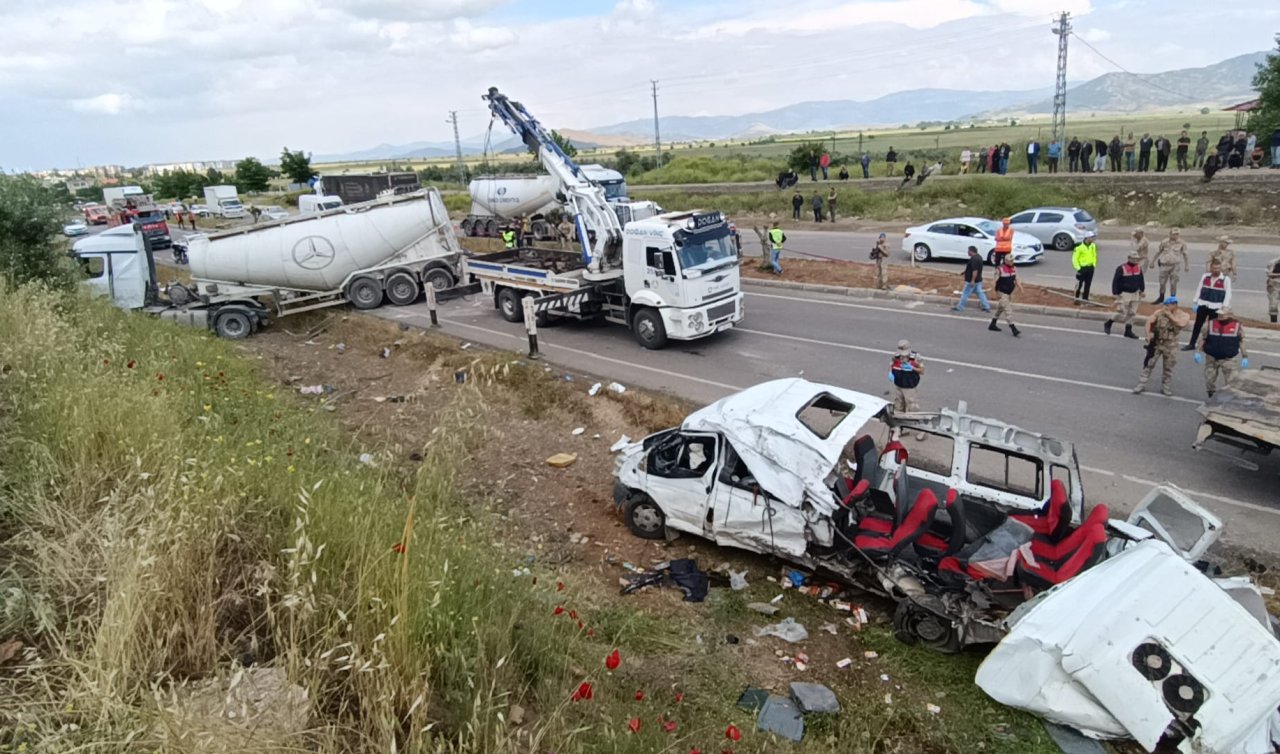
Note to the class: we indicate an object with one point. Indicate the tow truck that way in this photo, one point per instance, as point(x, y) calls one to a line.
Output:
point(667, 276)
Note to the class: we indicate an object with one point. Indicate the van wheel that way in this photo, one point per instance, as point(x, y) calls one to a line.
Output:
point(439, 278)
point(365, 293)
point(922, 253)
point(510, 305)
point(644, 518)
point(1063, 242)
point(912, 624)
point(647, 326)
point(402, 289)
point(233, 324)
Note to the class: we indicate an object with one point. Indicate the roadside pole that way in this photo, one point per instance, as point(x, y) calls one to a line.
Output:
point(531, 327)
point(431, 304)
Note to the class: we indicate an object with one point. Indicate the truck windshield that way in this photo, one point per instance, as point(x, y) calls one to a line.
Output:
point(705, 251)
point(614, 190)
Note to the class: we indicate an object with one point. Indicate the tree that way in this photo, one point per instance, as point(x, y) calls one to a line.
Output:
point(178, 184)
point(30, 219)
point(214, 177)
point(296, 165)
point(625, 161)
point(251, 176)
point(807, 155)
point(1266, 118)
point(565, 145)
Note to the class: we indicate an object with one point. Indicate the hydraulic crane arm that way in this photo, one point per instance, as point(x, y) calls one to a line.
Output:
point(599, 232)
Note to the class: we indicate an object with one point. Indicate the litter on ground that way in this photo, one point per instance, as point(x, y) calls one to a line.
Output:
point(788, 630)
point(780, 716)
point(814, 697)
point(562, 460)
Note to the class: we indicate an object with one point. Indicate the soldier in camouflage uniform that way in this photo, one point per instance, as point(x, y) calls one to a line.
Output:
point(1142, 247)
point(1162, 343)
point(1273, 288)
point(1224, 256)
point(1172, 252)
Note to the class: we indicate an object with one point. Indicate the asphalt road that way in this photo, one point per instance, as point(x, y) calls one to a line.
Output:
point(1062, 377)
point(1249, 297)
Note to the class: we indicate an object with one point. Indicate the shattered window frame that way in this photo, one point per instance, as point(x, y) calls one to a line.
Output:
point(1038, 464)
point(824, 402)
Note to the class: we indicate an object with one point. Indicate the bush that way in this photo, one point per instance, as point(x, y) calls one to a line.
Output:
point(685, 170)
point(31, 219)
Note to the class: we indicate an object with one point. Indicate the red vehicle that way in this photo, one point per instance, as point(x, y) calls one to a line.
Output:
point(96, 214)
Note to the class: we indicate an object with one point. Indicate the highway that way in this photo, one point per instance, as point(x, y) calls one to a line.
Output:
point(1062, 377)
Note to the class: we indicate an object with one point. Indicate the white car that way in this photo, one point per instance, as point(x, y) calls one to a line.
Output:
point(201, 210)
point(1059, 227)
point(273, 213)
point(951, 239)
point(75, 228)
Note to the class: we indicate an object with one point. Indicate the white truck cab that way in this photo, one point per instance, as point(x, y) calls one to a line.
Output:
point(115, 265)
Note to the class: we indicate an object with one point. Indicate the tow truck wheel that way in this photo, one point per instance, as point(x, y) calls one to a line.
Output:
point(402, 289)
point(232, 324)
point(365, 293)
point(648, 329)
point(510, 305)
point(644, 518)
point(912, 624)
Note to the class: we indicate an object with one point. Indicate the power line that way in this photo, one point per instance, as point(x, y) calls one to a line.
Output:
point(1131, 73)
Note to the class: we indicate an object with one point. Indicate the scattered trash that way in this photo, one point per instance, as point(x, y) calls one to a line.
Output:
point(814, 697)
point(763, 608)
point(802, 661)
point(884, 677)
point(577, 431)
point(842, 664)
point(391, 399)
point(683, 573)
point(568, 378)
point(796, 578)
point(366, 459)
point(316, 389)
point(780, 716)
point(933, 709)
point(460, 376)
point(311, 343)
point(595, 390)
point(831, 628)
point(752, 699)
point(788, 630)
point(562, 460)
point(776, 600)
point(578, 539)
point(622, 442)
point(596, 436)
point(516, 714)
point(465, 346)
point(386, 353)
point(737, 580)
point(616, 388)
point(888, 698)
point(870, 655)
point(731, 639)
point(341, 348)
point(518, 572)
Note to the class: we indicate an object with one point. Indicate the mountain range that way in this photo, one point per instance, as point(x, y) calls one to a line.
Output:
point(1225, 82)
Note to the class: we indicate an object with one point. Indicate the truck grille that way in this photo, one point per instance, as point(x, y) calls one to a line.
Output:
point(723, 310)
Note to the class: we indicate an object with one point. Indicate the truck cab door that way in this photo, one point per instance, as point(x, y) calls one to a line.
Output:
point(661, 274)
point(96, 271)
point(745, 516)
point(681, 472)
point(1176, 520)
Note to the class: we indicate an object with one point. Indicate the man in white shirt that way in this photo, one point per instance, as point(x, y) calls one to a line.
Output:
point(966, 157)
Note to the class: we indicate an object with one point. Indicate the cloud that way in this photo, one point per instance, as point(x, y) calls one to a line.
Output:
point(413, 10)
point(470, 38)
point(104, 104)
point(1095, 35)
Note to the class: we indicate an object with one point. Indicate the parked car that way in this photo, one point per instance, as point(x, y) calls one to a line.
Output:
point(951, 239)
point(272, 212)
point(1059, 227)
point(75, 228)
point(201, 210)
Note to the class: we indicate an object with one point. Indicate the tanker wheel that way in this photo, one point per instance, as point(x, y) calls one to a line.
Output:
point(365, 293)
point(232, 323)
point(439, 278)
point(402, 289)
point(491, 228)
point(511, 305)
point(466, 228)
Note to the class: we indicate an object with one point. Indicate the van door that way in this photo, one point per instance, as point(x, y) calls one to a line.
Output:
point(745, 516)
point(681, 470)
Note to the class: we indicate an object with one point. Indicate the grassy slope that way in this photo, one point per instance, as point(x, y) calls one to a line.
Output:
point(164, 510)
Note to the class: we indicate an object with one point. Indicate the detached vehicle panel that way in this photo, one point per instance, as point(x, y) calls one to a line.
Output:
point(1243, 417)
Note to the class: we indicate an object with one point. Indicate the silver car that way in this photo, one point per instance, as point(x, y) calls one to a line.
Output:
point(1060, 228)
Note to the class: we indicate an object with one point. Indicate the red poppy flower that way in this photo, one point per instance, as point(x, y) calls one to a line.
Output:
point(613, 660)
point(732, 733)
point(106, 362)
point(573, 614)
point(584, 691)
point(634, 724)
point(581, 625)
point(398, 547)
point(159, 376)
point(559, 586)
point(559, 610)
point(679, 697)
point(669, 726)
point(695, 751)
point(591, 633)
point(639, 695)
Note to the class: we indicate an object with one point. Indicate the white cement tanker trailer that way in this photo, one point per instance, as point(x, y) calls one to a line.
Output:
point(500, 201)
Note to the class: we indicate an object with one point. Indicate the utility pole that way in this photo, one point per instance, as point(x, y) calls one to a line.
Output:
point(1062, 28)
point(657, 138)
point(457, 146)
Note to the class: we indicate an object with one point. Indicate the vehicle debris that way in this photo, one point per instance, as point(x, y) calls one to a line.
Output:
point(814, 697)
point(578, 431)
point(763, 608)
point(737, 580)
point(780, 716)
point(617, 388)
point(682, 573)
point(316, 389)
point(788, 630)
point(562, 460)
point(594, 390)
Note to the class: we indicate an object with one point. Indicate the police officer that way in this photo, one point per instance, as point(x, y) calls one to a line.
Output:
point(1214, 295)
point(1273, 288)
point(1085, 260)
point(776, 239)
point(1224, 256)
point(1006, 283)
point(1142, 247)
point(1162, 344)
point(1222, 350)
point(1128, 285)
point(1172, 252)
point(1004, 240)
point(905, 372)
point(508, 238)
point(880, 255)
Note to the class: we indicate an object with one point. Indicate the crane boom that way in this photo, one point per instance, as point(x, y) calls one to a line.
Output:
point(598, 229)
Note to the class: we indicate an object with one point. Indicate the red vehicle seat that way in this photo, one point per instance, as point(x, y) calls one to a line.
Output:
point(1089, 550)
point(1055, 519)
point(1055, 552)
point(913, 526)
point(932, 545)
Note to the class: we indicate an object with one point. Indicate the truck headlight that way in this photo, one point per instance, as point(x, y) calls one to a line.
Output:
point(696, 321)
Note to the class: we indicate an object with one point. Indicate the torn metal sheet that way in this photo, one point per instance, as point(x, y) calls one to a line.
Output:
point(1137, 644)
point(776, 428)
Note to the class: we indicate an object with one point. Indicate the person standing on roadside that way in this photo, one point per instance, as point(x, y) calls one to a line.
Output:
point(1129, 145)
point(1224, 149)
point(776, 239)
point(1225, 257)
point(1144, 153)
point(1162, 344)
point(1100, 156)
point(973, 282)
point(1073, 155)
point(1033, 157)
point(1172, 253)
point(1006, 284)
point(1273, 288)
point(1085, 260)
point(1202, 148)
point(1184, 145)
point(1128, 286)
point(905, 372)
point(880, 255)
point(966, 156)
point(1005, 151)
point(1004, 241)
point(831, 203)
point(1141, 247)
point(866, 166)
point(1114, 151)
point(1214, 295)
point(816, 203)
point(1275, 148)
point(1162, 154)
point(891, 161)
point(797, 201)
point(1086, 156)
point(1054, 154)
point(1222, 351)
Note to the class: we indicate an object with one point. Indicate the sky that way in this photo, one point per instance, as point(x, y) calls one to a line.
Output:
point(131, 82)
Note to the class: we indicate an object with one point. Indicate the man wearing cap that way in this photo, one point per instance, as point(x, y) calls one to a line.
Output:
point(1006, 284)
point(1128, 286)
point(1214, 295)
point(1085, 260)
point(905, 372)
point(1162, 344)
point(1222, 350)
point(1004, 240)
point(1172, 253)
point(880, 255)
point(1224, 256)
point(1142, 247)
point(1273, 287)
